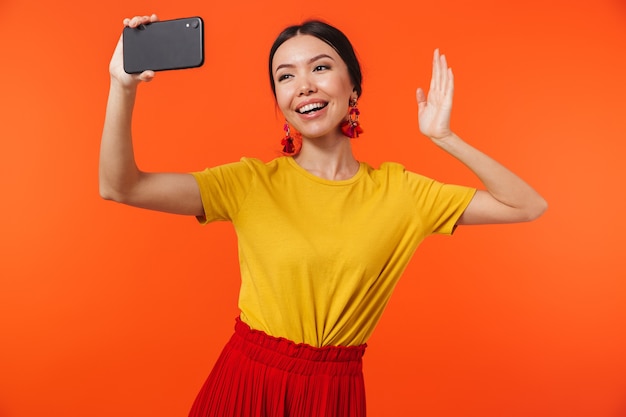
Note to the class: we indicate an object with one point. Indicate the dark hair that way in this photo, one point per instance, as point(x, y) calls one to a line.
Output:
point(329, 34)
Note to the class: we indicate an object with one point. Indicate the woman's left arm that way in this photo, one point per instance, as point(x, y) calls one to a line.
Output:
point(507, 198)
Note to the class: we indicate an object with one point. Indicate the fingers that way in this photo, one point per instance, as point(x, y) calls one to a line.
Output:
point(434, 78)
point(442, 79)
point(420, 95)
point(440, 70)
point(421, 99)
point(140, 20)
point(441, 83)
point(146, 76)
point(135, 22)
point(450, 84)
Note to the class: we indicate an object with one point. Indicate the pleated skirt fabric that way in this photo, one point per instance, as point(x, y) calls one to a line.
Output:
point(258, 375)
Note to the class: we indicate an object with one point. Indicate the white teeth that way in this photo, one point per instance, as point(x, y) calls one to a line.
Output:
point(309, 107)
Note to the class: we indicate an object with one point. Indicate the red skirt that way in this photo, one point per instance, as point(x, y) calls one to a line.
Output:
point(263, 376)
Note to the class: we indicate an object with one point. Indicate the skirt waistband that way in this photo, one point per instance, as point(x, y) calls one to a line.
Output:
point(300, 358)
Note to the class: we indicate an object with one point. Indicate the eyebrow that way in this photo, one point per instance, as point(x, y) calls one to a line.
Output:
point(310, 61)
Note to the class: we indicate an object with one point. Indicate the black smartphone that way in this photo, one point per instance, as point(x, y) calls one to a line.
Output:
point(164, 45)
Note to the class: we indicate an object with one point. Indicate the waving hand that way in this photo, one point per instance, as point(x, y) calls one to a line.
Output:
point(434, 110)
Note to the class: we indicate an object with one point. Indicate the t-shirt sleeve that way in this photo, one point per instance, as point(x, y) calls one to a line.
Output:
point(440, 205)
point(223, 189)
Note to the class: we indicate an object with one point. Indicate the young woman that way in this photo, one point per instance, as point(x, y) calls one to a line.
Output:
point(323, 238)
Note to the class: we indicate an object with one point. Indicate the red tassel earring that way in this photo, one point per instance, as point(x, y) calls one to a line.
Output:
point(287, 142)
point(351, 127)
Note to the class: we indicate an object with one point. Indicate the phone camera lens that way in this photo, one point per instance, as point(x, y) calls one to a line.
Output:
point(195, 24)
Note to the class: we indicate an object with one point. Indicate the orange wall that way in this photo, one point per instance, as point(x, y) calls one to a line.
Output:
point(107, 310)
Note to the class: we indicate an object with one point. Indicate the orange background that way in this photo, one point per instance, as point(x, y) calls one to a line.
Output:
point(107, 310)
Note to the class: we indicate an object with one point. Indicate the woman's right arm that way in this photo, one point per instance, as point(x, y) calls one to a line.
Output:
point(120, 178)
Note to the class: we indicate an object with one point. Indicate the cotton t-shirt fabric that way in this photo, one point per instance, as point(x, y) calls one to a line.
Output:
point(319, 259)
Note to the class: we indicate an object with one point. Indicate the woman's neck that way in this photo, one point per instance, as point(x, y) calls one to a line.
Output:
point(333, 161)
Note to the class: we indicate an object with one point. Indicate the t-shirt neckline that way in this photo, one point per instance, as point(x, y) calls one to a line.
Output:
point(325, 181)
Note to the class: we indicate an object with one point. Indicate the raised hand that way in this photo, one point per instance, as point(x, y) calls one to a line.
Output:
point(434, 110)
point(116, 66)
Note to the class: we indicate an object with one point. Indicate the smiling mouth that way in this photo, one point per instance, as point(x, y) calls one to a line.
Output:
point(311, 108)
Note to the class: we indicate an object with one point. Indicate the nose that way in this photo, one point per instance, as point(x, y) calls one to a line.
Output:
point(307, 87)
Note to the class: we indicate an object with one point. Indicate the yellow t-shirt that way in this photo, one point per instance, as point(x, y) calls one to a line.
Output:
point(319, 259)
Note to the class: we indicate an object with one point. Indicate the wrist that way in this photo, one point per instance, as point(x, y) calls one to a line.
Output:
point(123, 86)
point(446, 139)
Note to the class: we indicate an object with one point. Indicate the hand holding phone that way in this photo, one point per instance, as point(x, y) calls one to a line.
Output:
point(164, 45)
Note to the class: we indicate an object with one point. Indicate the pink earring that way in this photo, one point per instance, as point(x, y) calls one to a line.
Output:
point(287, 142)
point(351, 127)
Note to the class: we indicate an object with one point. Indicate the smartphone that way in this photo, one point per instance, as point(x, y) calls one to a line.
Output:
point(164, 45)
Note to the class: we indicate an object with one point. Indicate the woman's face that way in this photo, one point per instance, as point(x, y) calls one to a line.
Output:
point(313, 87)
